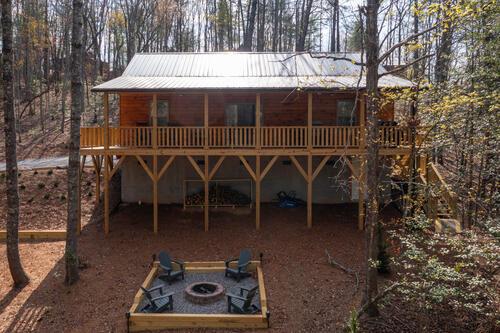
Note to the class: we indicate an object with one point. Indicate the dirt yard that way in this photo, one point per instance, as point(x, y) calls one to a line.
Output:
point(305, 294)
point(43, 195)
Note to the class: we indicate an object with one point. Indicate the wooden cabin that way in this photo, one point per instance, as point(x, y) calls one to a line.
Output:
point(253, 124)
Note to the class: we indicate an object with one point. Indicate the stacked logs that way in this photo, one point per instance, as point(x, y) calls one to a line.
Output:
point(218, 196)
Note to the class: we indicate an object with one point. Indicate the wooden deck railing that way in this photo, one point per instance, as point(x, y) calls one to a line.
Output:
point(336, 137)
point(283, 137)
point(231, 137)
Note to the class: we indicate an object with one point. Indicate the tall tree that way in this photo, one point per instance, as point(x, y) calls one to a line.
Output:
point(371, 42)
point(16, 269)
point(249, 27)
point(303, 22)
point(77, 108)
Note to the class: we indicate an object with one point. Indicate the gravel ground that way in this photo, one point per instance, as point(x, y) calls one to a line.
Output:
point(305, 294)
point(182, 305)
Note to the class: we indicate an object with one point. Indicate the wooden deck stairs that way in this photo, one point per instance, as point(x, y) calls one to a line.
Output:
point(441, 205)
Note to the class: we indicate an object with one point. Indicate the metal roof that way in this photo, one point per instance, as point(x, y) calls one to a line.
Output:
point(239, 70)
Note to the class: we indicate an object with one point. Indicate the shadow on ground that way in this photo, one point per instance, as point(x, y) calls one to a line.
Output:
point(305, 294)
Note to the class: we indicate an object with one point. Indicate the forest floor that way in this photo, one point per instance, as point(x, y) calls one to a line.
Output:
point(43, 195)
point(35, 143)
point(305, 293)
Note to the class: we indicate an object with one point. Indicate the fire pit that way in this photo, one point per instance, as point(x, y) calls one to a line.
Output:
point(204, 292)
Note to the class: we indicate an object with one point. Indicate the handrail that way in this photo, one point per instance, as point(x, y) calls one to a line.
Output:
point(450, 197)
point(335, 137)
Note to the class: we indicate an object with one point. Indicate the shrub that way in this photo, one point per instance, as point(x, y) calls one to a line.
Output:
point(41, 185)
point(46, 196)
point(449, 276)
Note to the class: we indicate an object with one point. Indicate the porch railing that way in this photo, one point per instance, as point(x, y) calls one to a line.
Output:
point(336, 137)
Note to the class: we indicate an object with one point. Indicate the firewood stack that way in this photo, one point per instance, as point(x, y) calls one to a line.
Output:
point(219, 196)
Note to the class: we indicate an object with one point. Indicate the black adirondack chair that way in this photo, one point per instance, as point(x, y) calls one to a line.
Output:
point(168, 272)
point(241, 270)
point(242, 303)
point(159, 303)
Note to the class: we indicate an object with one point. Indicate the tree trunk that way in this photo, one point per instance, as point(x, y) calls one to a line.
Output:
point(77, 107)
point(16, 269)
point(303, 26)
point(250, 27)
point(371, 222)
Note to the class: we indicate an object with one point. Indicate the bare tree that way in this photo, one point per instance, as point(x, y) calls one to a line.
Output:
point(77, 108)
point(16, 269)
point(371, 42)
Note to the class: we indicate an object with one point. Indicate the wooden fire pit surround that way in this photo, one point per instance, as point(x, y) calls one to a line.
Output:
point(139, 321)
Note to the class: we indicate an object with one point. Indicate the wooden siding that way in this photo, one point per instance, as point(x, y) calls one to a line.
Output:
point(279, 109)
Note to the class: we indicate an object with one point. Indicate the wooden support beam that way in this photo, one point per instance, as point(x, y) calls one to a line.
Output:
point(106, 163)
point(105, 99)
point(106, 196)
point(248, 167)
point(309, 190)
point(165, 167)
point(257, 191)
point(355, 174)
point(320, 167)
point(117, 166)
point(110, 160)
point(154, 116)
point(145, 167)
point(257, 121)
point(196, 167)
point(216, 167)
point(205, 120)
point(97, 162)
point(155, 193)
point(268, 167)
point(309, 120)
point(207, 189)
point(299, 167)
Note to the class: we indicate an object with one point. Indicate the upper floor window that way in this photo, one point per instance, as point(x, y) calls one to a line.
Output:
point(162, 112)
point(240, 114)
point(346, 112)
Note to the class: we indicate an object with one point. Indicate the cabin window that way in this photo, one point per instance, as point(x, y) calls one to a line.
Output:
point(240, 114)
point(162, 111)
point(346, 114)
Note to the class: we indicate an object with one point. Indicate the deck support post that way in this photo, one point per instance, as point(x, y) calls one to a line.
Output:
point(207, 189)
point(205, 120)
point(206, 173)
point(97, 162)
point(155, 194)
point(154, 141)
point(257, 191)
point(106, 163)
point(309, 190)
point(257, 121)
point(309, 158)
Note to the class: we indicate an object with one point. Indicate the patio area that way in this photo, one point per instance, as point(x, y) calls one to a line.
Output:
point(304, 293)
